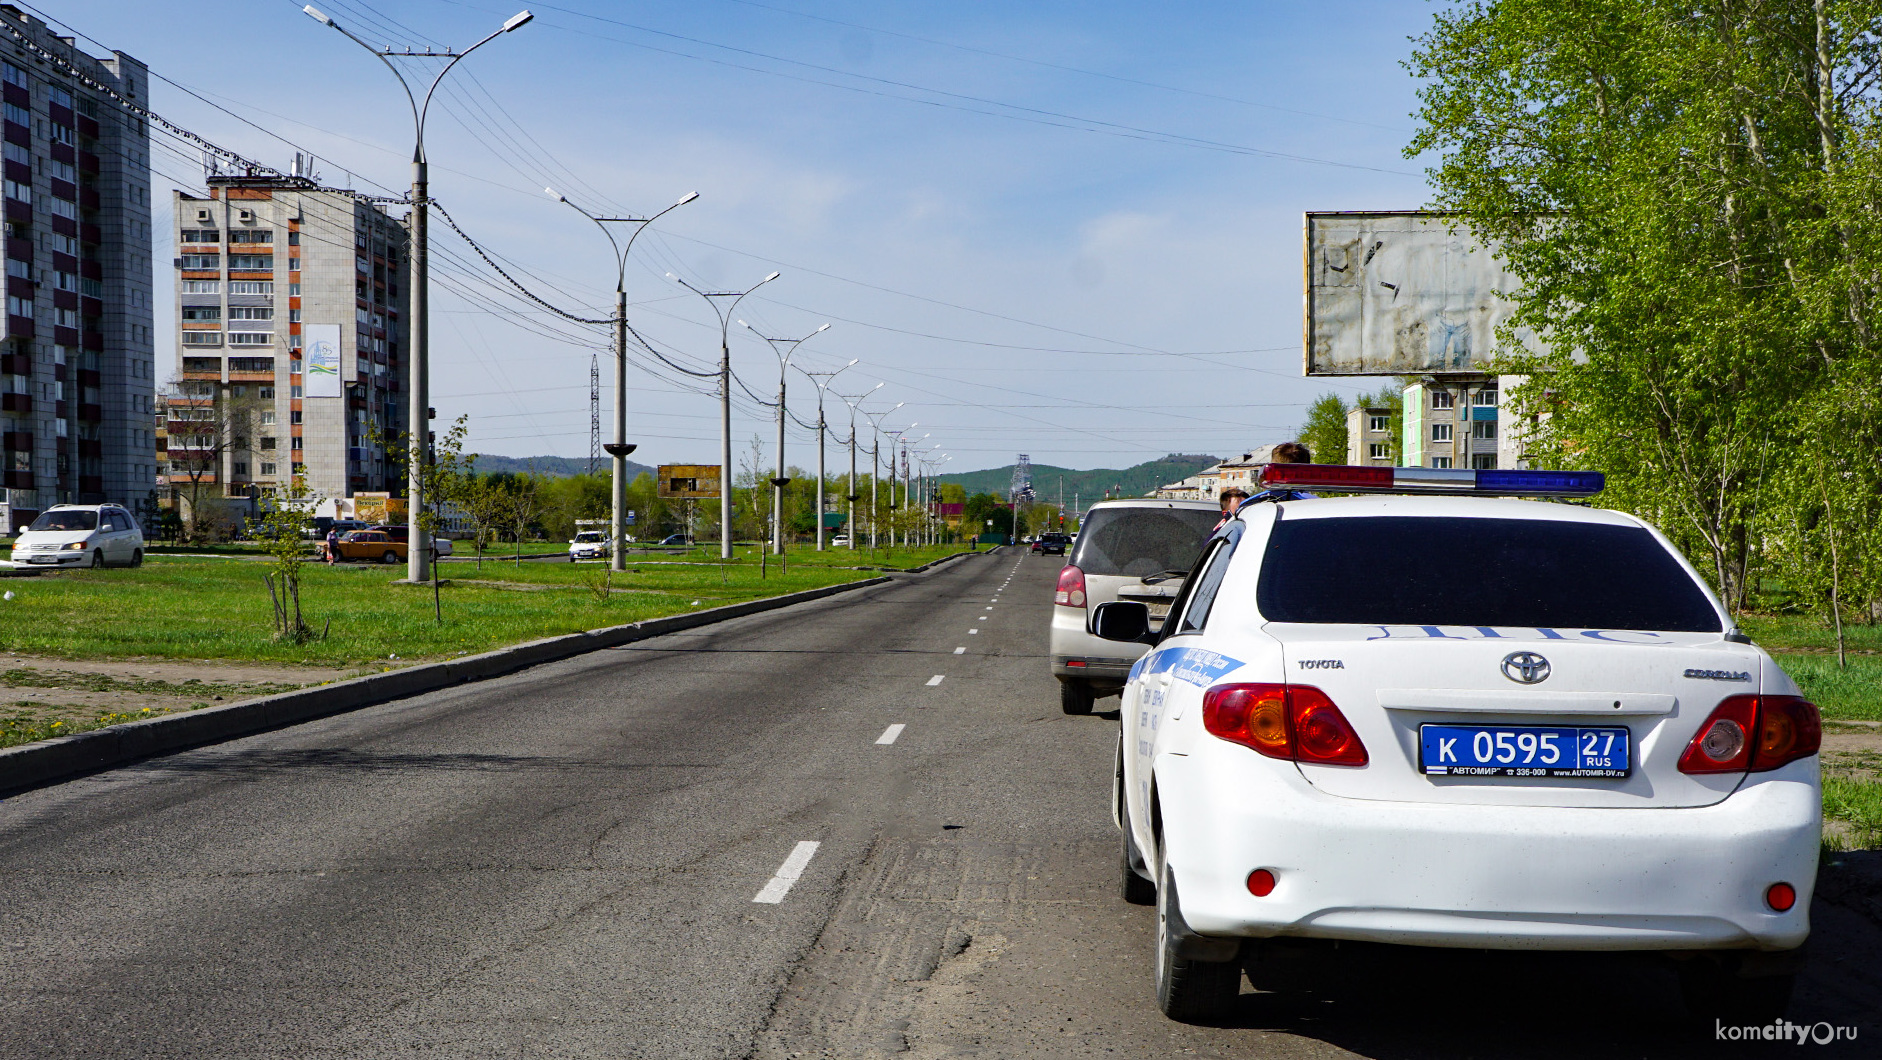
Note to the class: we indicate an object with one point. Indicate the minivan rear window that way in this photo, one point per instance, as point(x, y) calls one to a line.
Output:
point(1134, 542)
point(71, 519)
point(1395, 570)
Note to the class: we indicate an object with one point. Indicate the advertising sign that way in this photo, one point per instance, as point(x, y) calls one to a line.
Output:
point(1401, 293)
point(688, 481)
point(322, 378)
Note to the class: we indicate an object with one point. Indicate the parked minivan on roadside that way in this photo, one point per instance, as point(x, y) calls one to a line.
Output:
point(81, 535)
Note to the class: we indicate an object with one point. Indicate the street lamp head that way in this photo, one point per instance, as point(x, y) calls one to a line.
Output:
point(317, 15)
point(517, 21)
point(774, 275)
point(742, 324)
point(556, 195)
point(690, 196)
point(852, 364)
point(826, 327)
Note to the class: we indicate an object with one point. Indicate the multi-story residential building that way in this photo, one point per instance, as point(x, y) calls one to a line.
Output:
point(1368, 438)
point(76, 372)
point(292, 329)
point(1436, 435)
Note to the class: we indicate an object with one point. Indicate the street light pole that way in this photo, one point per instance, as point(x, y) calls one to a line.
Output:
point(418, 550)
point(822, 381)
point(725, 398)
point(619, 448)
point(875, 469)
point(782, 480)
point(852, 495)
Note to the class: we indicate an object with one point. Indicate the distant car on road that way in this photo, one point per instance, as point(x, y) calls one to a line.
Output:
point(1051, 544)
point(402, 534)
point(81, 535)
point(676, 539)
point(1568, 746)
point(840, 541)
point(589, 544)
point(1136, 549)
point(369, 546)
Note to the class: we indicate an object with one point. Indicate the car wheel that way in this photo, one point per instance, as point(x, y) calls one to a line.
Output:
point(389, 558)
point(98, 557)
point(137, 558)
point(1713, 990)
point(1075, 696)
point(1191, 989)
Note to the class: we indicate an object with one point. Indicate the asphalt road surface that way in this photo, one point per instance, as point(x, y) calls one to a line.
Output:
point(569, 862)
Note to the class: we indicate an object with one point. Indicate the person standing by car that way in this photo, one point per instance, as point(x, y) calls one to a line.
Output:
point(1232, 499)
point(333, 542)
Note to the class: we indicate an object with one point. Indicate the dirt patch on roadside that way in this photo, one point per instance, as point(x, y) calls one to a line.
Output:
point(43, 696)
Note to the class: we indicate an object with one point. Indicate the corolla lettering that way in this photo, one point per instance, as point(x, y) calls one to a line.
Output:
point(1612, 636)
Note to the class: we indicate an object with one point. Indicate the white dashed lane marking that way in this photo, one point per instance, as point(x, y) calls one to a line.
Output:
point(889, 734)
point(935, 680)
point(960, 651)
point(787, 873)
point(973, 631)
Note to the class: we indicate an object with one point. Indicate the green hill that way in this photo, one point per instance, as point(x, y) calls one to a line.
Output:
point(552, 466)
point(1087, 485)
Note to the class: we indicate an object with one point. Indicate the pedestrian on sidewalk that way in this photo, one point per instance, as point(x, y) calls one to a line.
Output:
point(333, 546)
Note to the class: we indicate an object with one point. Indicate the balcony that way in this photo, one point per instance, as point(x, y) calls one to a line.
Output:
point(91, 413)
point(18, 480)
point(90, 377)
point(91, 483)
point(17, 441)
point(15, 364)
point(16, 402)
point(91, 448)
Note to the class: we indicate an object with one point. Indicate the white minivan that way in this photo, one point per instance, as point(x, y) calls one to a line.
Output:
point(81, 535)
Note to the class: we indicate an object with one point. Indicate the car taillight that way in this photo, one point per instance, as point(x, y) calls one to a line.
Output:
point(1071, 591)
point(1295, 722)
point(1754, 734)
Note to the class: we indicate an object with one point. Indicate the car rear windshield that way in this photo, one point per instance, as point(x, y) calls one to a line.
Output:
point(1477, 572)
point(70, 520)
point(1134, 542)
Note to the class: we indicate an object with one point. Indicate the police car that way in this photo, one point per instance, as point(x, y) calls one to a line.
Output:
point(1456, 717)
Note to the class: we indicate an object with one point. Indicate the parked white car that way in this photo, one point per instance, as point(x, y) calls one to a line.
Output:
point(588, 544)
point(1137, 549)
point(81, 535)
point(1480, 723)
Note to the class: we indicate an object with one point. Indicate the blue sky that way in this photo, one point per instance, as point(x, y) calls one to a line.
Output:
point(965, 191)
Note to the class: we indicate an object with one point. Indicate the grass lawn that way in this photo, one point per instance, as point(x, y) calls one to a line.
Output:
point(1806, 650)
point(181, 608)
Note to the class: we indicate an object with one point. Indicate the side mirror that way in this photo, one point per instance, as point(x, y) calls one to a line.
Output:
point(1122, 620)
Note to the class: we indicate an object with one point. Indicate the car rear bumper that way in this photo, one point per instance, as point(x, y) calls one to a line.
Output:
point(1492, 877)
point(1076, 653)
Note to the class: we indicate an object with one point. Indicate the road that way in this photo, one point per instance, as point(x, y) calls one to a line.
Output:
point(564, 862)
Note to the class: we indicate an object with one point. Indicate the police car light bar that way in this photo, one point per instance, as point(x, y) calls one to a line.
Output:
point(1345, 478)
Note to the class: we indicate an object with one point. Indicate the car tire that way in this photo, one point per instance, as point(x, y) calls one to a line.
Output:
point(1075, 696)
point(389, 558)
point(97, 558)
point(137, 558)
point(1713, 990)
point(1191, 990)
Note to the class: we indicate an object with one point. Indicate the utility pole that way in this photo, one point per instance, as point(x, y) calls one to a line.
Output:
point(619, 448)
point(875, 469)
point(725, 397)
point(854, 493)
point(822, 381)
point(782, 480)
point(418, 430)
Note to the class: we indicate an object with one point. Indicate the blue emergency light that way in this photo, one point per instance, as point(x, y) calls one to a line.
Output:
point(1347, 478)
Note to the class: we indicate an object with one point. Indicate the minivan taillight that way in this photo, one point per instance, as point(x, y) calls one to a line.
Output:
point(1071, 591)
point(1295, 722)
point(1754, 734)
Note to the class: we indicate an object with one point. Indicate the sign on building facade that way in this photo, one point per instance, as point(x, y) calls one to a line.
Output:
point(323, 360)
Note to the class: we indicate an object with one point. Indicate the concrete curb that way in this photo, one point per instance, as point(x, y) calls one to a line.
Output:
point(63, 758)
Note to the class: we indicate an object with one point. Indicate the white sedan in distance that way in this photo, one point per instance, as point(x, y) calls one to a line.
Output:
point(1477, 722)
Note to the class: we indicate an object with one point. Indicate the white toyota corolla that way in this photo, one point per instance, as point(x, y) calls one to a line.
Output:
point(1458, 721)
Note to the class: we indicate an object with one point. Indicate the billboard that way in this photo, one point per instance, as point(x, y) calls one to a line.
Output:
point(1401, 293)
point(322, 378)
point(688, 481)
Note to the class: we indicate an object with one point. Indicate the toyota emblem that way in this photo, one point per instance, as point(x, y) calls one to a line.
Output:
point(1525, 667)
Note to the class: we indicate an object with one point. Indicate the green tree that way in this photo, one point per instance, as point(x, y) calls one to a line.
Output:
point(282, 531)
point(1324, 433)
point(1689, 194)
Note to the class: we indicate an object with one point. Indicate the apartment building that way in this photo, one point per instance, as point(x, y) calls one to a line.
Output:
point(1368, 438)
point(292, 328)
point(1479, 434)
point(76, 373)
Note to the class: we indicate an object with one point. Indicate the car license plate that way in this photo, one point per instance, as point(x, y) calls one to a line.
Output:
point(1158, 610)
point(1525, 751)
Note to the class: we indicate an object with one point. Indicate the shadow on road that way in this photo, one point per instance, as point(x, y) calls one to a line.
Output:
point(275, 763)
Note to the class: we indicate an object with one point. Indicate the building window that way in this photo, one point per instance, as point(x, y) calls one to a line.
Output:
point(65, 318)
point(1485, 398)
point(294, 290)
point(20, 269)
point(297, 441)
point(1377, 451)
point(22, 192)
point(19, 115)
point(267, 392)
point(16, 153)
point(204, 262)
point(252, 364)
point(13, 75)
point(294, 316)
point(62, 133)
point(267, 420)
point(251, 235)
point(202, 286)
point(1443, 399)
point(200, 235)
point(251, 312)
point(296, 392)
point(1484, 461)
point(238, 467)
point(1440, 461)
point(251, 338)
point(61, 208)
point(60, 96)
point(1483, 429)
point(294, 416)
point(267, 469)
point(1440, 432)
point(252, 262)
point(61, 170)
point(251, 286)
point(1376, 424)
point(200, 338)
point(202, 312)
